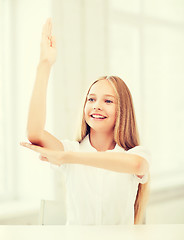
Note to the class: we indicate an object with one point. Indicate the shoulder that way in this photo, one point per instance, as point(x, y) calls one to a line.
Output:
point(139, 148)
point(142, 151)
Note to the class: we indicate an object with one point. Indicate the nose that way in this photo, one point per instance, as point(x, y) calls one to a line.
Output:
point(97, 106)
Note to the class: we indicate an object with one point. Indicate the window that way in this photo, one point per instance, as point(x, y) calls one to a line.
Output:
point(7, 107)
point(22, 176)
point(146, 45)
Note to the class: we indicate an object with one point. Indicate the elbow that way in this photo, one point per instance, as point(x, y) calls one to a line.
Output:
point(34, 138)
point(141, 166)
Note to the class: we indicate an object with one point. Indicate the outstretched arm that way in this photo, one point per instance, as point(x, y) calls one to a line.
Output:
point(114, 161)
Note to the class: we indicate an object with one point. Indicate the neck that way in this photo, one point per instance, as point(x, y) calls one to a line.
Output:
point(102, 141)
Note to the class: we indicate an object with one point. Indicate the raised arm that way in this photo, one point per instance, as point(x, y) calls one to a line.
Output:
point(37, 110)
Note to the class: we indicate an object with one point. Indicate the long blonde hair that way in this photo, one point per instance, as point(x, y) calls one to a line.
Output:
point(125, 135)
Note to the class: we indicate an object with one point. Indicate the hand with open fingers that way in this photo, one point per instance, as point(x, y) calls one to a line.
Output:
point(48, 44)
point(48, 155)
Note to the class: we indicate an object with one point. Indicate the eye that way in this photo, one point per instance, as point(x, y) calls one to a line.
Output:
point(91, 99)
point(108, 101)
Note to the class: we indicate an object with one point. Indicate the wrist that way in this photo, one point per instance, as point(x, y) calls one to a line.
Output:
point(44, 64)
point(68, 157)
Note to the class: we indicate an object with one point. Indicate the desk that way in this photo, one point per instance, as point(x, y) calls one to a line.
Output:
point(117, 232)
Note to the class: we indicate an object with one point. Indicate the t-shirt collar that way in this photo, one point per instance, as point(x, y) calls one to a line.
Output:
point(86, 143)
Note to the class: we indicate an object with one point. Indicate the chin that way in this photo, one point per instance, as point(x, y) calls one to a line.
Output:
point(101, 130)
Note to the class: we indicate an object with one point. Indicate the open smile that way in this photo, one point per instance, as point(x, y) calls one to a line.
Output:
point(98, 116)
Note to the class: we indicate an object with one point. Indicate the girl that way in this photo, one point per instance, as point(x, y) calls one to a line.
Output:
point(106, 170)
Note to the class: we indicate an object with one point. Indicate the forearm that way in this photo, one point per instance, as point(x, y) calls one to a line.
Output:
point(37, 108)
point(114, 161)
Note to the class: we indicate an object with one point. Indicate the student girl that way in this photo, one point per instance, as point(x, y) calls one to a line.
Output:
point(106, 169)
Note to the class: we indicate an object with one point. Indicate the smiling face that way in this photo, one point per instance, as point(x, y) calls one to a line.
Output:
point(100, 108)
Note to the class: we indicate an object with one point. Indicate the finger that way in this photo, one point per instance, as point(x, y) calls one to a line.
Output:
point(43, 158)
point(28, 145)
point(34, 148)
point(53, 40)
point(50, 27)
point(45, 30)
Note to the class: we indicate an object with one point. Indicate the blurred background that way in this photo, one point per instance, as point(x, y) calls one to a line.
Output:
point(140, 41)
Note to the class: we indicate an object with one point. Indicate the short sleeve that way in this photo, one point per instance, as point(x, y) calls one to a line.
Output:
point(69, 146)
point(146, 154)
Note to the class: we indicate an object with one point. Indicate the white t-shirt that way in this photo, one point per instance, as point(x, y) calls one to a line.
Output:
point(96, 196)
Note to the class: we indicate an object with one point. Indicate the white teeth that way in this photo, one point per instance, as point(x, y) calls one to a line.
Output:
point(97, 116)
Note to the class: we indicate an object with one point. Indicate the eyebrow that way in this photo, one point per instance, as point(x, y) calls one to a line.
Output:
point(105, 95)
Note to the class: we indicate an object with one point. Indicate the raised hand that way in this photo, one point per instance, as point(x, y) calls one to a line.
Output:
point(48, 44)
